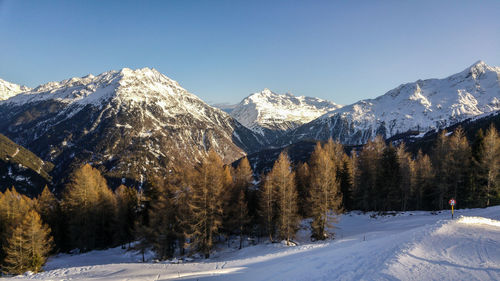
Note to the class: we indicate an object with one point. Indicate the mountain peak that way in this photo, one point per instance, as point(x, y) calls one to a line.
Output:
point(267, 110)
point(8, 90)
point(477, 70)
point(127, 84)
point(266, 91)
point(478, 63)
point(420, 106)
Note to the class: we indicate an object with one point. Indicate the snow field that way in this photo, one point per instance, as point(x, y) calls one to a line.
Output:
point(403, 246)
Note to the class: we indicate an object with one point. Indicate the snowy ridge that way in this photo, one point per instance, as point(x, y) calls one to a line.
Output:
point(8, 90)
point(273, 111)
point(420, 106)
point(124, 85)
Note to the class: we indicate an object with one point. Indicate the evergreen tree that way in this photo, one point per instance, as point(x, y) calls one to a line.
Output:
point(89, 206)
point(282, 179)
point(441, 165)
point(489, 165)
point(423, 182)
point(406, 170)
point(28, 245)
point(13, 208)
point(346, 177)
point(325, 197)
point(206, 203)
point(459, 158)
point(49, 209)
point(126, 214)
point(267, 206)
point(162, 222)
point(388, 181)
point(367, 183)
point(237, 211)
point(302, 178)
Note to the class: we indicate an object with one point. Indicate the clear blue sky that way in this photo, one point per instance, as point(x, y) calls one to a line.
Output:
point(224, 50)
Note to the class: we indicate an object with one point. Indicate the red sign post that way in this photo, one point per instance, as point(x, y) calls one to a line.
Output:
point(452, 203)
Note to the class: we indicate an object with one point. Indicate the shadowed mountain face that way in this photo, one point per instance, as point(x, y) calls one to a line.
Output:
point(22, 169)
point(128, 123)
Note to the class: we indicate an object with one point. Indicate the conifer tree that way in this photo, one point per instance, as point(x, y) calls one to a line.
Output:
point(28, 245)
point(163, 222)
point(346, 177)
point(388, 181)
point(237, 217)
point(267, 206)
point(13, 208)
point(489, 164)
point(423, 182)
point(47, 205)
point(441, 165)
point(282, 179)
point(89, 206)
point(206, 203)
point(406, 170)
point(126, 214)
point(325, 197)
point(303, 186)
point(459, 158)
point(369, 163)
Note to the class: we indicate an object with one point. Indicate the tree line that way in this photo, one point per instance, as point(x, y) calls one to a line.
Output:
point(194, 207)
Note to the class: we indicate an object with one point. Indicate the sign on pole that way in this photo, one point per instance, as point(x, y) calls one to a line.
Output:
point(452, 203)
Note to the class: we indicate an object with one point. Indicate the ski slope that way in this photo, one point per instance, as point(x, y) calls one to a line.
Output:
point(407, 246)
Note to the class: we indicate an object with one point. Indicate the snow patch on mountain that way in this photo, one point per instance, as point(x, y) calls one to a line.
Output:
point(269, 110)
point(8, 90)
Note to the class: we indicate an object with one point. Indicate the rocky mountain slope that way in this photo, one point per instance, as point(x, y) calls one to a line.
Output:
point(8, 89)
point(420, 106)
point(22, 169)
point(271, 115)
point(128, 123)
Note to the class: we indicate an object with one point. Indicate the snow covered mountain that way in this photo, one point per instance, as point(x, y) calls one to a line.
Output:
point(420, 106)
point(8, 89)
point(270, 114)
point(129, 123)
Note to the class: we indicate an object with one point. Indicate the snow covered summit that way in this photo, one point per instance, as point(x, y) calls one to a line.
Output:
point(266, 112)
point(420, 106)
point(8, 89)
point(129, 122)
point(125, 85)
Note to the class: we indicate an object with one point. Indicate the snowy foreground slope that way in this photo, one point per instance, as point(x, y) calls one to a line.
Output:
point(409, 246)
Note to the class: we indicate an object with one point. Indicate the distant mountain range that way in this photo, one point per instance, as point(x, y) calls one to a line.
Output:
point(421, 106)
point(132, 123)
